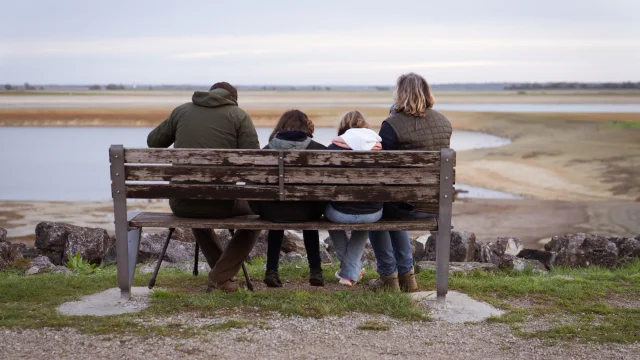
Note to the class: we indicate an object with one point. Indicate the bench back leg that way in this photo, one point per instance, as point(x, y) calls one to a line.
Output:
point(443, 238)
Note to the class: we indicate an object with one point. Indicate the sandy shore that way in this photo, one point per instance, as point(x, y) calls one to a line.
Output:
point(529, 220)
point(578, 172)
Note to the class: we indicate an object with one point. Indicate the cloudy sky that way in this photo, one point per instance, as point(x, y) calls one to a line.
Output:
point(317, 42)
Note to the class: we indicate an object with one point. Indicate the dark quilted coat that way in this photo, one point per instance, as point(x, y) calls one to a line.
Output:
point(433, 132)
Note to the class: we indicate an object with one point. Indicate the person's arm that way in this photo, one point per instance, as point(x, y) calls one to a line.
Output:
point(247, 135)
point(389, 137)
point(164, 134)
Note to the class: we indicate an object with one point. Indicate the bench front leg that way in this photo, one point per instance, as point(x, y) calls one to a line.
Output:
point(443, 238)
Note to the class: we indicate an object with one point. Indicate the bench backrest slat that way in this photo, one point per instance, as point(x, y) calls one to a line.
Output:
point(270, 157)
point(292, 193)
point(292, 175)
point(381, 176)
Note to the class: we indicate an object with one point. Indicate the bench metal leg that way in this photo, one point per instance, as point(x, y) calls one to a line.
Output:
point(443, 238)
point(195, 260)
point(152, 282)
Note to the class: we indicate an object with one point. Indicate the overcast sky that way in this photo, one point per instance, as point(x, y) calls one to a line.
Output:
point(317, 42)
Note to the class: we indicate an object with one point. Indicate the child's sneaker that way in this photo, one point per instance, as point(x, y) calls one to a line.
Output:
point(346, 282)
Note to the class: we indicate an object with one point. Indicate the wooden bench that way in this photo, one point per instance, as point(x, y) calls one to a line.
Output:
point(381, 176)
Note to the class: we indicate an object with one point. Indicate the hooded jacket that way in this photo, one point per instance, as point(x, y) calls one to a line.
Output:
point(212, 120)
point(294, 211)
point(359, 140)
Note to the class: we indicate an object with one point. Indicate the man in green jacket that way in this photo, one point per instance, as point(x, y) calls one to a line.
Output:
point(212, 120)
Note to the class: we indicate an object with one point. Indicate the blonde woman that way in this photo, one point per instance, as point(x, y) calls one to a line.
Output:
point(354, 133)
point(412, 125)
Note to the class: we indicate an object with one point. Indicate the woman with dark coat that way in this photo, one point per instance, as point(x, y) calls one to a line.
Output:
point(412, 125)
point(294, 131)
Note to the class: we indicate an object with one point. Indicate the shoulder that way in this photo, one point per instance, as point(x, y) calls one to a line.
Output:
point(313, 145)
point(237, 112)
point(433, 115)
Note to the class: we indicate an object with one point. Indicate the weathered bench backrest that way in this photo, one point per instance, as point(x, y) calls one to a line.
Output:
point(382, 176)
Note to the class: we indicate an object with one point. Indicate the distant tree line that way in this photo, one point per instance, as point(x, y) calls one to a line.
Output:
point(26, 86)
point(574, 86)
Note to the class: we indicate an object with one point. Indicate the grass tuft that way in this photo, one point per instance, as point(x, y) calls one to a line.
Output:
point(373, 325)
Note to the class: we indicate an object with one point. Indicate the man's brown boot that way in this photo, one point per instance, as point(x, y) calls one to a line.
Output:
point(408, 282)
point(388, 282)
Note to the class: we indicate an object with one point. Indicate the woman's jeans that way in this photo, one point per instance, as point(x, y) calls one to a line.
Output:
point(349, 250)
point(393, 251)
point(275, 239)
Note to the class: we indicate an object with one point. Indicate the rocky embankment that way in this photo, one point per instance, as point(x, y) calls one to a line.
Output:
point(57, 242)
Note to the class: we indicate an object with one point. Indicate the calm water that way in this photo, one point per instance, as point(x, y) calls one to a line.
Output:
point(72, 164)
point(551, 108)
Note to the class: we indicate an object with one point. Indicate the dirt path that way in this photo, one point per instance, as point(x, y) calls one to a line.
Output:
point(304, 338)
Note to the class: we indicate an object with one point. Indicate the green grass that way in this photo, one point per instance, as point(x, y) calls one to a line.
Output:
point(374, 326)
point(30, 301)
point(617, 124)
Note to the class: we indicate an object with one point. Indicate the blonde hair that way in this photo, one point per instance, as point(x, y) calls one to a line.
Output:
point(413, 95)
point(352, 119)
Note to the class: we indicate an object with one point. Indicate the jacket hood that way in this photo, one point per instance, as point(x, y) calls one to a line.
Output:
point(213, 98)
point(280, 144)
point(361, 139)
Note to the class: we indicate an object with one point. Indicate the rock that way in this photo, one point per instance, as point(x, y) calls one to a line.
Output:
point(484, 254)
point(545, 257)
point(637, 237)
point(329, 245)
point(558, 243)
point(419, 252)
point(628, 248)
point(458, 267)
point(583, 250)
point(10, 255)
point(600, 251)
point(462, 248)
point(151, 247)
point(58, 240)
point(42, 264)
point(293, 258)
point(111, 255)
point(506, 245)
point(91, 243)
point(325, 256)
point(291, 241)
point(184, 235)
point(511, 262)
point(3, 235)
point(51, 239)
point(260, 248)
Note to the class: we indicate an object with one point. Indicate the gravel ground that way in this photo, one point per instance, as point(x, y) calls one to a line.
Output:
point(278, 337)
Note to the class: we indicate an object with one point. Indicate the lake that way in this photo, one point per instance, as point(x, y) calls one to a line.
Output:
point(72, 163)
point(494, 107)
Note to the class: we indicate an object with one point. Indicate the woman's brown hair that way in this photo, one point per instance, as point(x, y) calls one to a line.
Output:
point(413, 95)
point(293, 120)
point(352, 119)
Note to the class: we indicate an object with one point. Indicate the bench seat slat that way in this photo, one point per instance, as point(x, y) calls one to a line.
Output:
point(168, 220)
point(292, 192)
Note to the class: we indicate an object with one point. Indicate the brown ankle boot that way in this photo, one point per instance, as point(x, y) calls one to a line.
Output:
point(388, 282)
point(408, 282)
point(228, 286)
